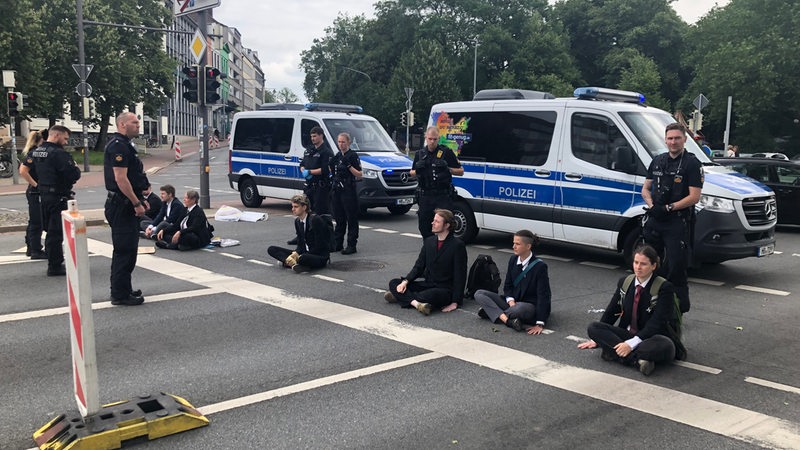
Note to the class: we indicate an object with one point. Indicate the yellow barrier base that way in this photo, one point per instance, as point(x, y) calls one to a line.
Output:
point(151, 416)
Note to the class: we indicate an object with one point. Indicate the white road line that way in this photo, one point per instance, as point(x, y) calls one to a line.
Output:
point(484, 247)
point(772, 384)
point(371, 288)
point(384, 230)
point(323, 277)
point(364, 227)
point(761, 290)
point(313, 384)
point(255, 261)
point(795, 254)
point(231, 255)
point(708, 282)
point(599, 265)
point(702, 413)
point(555, 258)
point(413, 235)
point(701, 368)
point(576, 338)
point(209, 250)
point(105, 305)
point(777, 253)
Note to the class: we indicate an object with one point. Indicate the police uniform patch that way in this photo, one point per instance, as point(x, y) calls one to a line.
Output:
point(118, 158)
point(439, 154)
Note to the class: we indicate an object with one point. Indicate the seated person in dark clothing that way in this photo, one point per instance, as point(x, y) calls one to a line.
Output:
point(640, 338)
point(192, 232)
point(313, 240)
point(172, 212)
point(526, 291)
point(442, 263)
point(154, 207)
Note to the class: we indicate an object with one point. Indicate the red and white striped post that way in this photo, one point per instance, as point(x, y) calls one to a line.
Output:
point(177, 150)
point(81, 324)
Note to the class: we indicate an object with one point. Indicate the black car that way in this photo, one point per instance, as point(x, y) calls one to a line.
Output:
point(782, 176)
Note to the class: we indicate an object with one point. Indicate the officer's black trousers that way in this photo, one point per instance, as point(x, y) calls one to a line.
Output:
point(319, 195)
point(52, 205)
point(33, 233)
point(125, 239)
point(670, 238)
point(425, 207)
point(345, 211)
point(656, 348)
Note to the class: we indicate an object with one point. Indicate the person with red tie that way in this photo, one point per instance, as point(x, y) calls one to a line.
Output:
point(640, 337)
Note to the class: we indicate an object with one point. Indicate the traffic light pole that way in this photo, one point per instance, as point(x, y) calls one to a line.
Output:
point(82, 63)
point(204, 110)
point(12, 134)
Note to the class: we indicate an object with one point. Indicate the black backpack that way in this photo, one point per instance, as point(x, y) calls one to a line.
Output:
point(328, 219)
point(483, 274)
point(674, 326)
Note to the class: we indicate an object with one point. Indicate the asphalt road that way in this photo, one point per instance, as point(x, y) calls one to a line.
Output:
point(281, 360)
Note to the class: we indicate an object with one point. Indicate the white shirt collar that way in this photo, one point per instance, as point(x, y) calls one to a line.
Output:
point(643, 283)
point(526, 261)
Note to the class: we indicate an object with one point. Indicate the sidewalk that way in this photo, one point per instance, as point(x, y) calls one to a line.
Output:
point(153, 161)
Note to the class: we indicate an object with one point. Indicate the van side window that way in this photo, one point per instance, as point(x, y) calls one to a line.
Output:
point(513, 137)
point(597, 140)
point(305, 131)
point(263, 135)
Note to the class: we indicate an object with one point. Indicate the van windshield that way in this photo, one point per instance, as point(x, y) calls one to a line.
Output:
point(649, 130)
point(366, 135)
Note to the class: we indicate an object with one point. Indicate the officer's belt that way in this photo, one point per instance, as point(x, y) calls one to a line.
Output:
point(118, 197)
point(51, 190)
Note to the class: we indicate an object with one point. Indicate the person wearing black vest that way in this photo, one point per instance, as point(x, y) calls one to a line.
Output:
point(640, 338)
point(125, 206)
point(315, 169)
point(27, 170)
point(346, 169)
point(57, 174)
point(526, 291)
point(434, 166)
point(672, 188)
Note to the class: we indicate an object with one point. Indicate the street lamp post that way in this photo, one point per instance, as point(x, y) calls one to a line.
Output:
point(475, 67)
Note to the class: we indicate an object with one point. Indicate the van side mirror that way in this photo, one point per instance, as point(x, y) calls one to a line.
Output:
point(625, 160)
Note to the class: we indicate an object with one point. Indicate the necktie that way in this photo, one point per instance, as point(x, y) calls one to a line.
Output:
point(635, 313)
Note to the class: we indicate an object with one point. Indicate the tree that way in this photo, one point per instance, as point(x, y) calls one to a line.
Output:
point(285, 95)
point(749, 52)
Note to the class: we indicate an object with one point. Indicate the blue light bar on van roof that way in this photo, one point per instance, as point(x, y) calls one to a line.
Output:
point(335, 107)
point(614, 95)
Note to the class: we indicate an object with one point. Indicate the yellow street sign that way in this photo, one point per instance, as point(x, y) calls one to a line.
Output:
point(198, 46)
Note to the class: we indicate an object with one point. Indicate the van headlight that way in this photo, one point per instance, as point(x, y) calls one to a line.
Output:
point(716, 204)
point(370, 173)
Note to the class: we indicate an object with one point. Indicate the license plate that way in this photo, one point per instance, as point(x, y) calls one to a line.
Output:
point(405, 201)
point(766, 250)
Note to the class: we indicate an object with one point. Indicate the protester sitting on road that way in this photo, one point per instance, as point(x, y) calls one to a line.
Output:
point(172, 212)
point(313, 240)
point(442, 262)
point(640, 338)
point(154, 203)
point(192, 232)
point(526, 291)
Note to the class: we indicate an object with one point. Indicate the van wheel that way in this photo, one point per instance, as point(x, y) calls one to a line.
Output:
point(249, 193)
point(466, 228)
point(632, 240)
point(399, 210)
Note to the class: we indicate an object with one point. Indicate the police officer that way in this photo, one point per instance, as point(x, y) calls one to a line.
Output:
point(346, 169)
point(57, 174)
point(125, 180)
point(434, 167)
point(672, 188)
point(33, 233)
point(315, 169)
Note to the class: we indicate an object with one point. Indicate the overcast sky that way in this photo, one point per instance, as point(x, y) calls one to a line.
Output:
point(280, 29)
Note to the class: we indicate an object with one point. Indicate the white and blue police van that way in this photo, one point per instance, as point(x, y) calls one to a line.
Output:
point(572, 170)
point(267, 145)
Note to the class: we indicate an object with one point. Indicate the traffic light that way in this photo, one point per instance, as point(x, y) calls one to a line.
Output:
point(14, 103)
point(411, 118)
point(403, 119)
point(212, 84)
point(191, 84)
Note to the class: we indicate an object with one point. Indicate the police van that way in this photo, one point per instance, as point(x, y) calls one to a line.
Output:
point(572, 170)
point(267, 145)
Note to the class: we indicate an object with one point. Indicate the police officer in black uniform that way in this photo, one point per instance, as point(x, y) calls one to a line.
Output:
point(346, 169)
point(315, 168)
point(27, 170)
point(57, 174)
point(434, 167)
point(672, 188)
point(125, 180)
